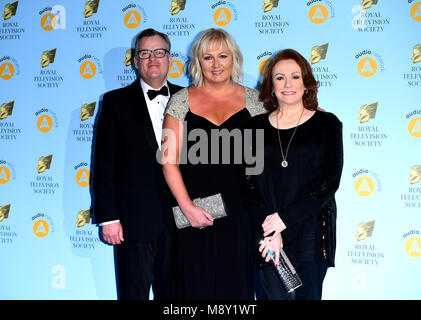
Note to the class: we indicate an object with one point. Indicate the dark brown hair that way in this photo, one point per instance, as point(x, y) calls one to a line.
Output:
point(309, 99)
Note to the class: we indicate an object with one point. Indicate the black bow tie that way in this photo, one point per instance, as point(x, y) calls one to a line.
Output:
point(153, 93)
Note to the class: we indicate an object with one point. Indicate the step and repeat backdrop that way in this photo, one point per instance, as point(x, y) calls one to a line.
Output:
point(57, 59)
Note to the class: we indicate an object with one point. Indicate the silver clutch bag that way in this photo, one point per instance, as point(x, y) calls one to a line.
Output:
point(213, 204)
point(287, 274)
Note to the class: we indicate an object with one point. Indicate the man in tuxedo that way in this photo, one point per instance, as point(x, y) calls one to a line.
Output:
point(131, 198)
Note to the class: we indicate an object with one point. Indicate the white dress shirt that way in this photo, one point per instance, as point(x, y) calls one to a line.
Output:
point(156, 109)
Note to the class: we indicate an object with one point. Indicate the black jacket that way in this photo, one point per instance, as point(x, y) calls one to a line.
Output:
point(128, 182)
point(303, 194)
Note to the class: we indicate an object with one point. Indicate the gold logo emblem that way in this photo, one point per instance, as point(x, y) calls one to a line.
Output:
point(44, 163)
point(364, 230)
point(177, 6)
point(416, 54)
point(91, 7)
point(10, 10)
point(47, 57)
point(4, 212)
point(83, 217)
point(268, 5)
point(6, 109)
point(318, 14)
point(367, 112)
point(87, 111)
point(128, 57)
point(415, 174)
point(318, 53)
point(366, 4)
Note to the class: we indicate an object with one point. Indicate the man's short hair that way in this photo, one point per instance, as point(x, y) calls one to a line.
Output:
point(152, 32)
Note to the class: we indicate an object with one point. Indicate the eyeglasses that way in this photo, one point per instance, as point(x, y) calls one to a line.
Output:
point(145, 54)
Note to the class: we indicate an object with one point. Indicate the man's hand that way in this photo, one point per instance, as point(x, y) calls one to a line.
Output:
point(113, 233)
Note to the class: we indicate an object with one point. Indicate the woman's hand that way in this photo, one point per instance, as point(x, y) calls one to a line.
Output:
point(271, 246)
point(172, 136)
point(273, 223)
point(198, 217)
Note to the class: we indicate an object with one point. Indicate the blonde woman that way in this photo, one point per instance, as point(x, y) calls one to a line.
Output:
point(214, 256)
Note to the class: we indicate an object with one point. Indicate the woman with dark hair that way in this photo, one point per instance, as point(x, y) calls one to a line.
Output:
point(292, 200)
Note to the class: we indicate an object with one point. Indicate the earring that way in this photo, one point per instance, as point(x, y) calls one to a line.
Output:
point(272, 94)
point(305, 91)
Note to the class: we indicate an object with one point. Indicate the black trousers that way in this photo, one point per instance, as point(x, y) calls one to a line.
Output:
point(142, 264)
point(311, 273)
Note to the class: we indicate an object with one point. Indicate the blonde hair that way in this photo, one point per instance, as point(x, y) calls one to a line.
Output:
point(209, 38)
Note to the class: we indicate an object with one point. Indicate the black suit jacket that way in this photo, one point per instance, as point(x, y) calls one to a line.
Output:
point(128, 182)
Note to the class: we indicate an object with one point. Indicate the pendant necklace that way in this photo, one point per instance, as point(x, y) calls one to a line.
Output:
point(284, 162)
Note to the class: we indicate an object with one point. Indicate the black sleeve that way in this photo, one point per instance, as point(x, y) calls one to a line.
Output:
point(254, 199)
point(105, 163)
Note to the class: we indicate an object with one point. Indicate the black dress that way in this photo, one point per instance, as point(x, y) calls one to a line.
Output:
point(216, 262)
point(303, 192)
